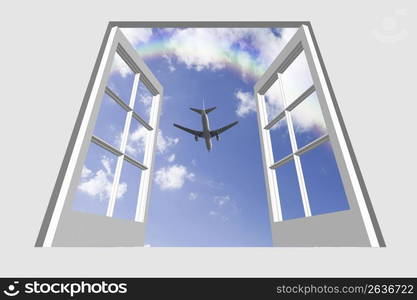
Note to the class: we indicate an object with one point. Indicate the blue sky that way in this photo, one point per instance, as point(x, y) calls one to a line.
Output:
point(216, 198)
point(224, 203)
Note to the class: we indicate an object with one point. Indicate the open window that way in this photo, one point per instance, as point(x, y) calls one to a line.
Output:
point(314, 193)
point(103, 197)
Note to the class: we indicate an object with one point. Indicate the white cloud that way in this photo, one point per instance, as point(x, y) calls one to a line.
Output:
point(100, 183)
point(147, 245)
point(194, 162)
point(86, 172)
point(221, 201)
point(273, 101)
point(192, 196)
point(191, 176)
point(165, 142)
point(121, 190)
point(171, 158)
point(246, 103)
point(137, 35)
point(145, 100)
point(214, 184)
point(214, 48)
point(121, 67)
point(137, 140)
point(171, 66)
point(173, 177)
point(308, 116)
point(224, 208)
point(198, 48)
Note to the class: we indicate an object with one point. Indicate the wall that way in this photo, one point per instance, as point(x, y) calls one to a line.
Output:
point(48, 52)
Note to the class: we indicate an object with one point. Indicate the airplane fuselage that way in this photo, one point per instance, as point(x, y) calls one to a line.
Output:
point(205, 133)
point(206, 130)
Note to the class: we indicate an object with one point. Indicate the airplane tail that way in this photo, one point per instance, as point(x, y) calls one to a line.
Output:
point(200, 111)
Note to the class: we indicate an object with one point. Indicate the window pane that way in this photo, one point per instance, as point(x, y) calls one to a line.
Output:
point(121, 79)
point(280, 140)
point(143, 101)
point(110, 122)
point(324, 185)
point(94, 189)
point(308, 121)
point(136, 141)
point(127, 192)
point(273, 101)
point(296, 78)
point(289, 191)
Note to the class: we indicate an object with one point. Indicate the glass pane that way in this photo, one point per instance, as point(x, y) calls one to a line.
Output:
point(289, 191)
point(143, 102)
point(280, 140)
point(308, 121)
point(136, 141)
point(324, 185)
point(296, 78)
point(121, 79)
point(94, 189)
point(127, 192)
point(273, 101)
point(110, 122)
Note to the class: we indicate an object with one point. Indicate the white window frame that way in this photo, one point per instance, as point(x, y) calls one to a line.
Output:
point(82, 133)
point(303, 41)
point(116, 43)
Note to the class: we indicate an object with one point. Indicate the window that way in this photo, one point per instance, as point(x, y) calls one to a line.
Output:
point(97, 176)
point(103, 190)
point(143, 101)
point(296, 130)
point(312, 180)
point(314, 188)
point(110, 181)
point(127, 192)
point(323, 183)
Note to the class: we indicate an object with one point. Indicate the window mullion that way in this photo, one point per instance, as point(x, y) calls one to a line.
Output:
point(268, 156)
point(117, 99)
point(297, 161)
point(134, 90)
point(142, 121)
point(275, 120)
point(145, 180)
point(123, 144)
point(313, 144)
point(115, 186)
point(105, 145)
point(303, 189)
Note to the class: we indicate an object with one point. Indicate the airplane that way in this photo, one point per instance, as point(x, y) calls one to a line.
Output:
point(206, 134)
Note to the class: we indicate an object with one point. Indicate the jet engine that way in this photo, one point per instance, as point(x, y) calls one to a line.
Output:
point(217, 137)
point(196, 138)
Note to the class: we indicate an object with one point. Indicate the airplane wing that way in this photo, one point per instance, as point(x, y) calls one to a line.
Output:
point(193, 132)
point(223, 129)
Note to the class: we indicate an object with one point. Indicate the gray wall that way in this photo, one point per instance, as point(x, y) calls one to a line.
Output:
point(340, 229)
point(80, 229)
point(47, 61)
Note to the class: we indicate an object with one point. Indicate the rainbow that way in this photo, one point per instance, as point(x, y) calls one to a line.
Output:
point(241, 62)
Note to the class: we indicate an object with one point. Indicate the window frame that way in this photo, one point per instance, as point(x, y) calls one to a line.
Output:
point(303, 41)
point(116, 42)
point(56, 203)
